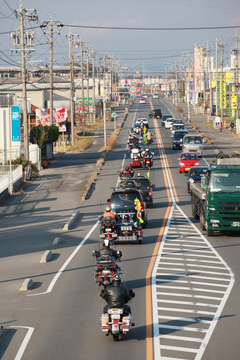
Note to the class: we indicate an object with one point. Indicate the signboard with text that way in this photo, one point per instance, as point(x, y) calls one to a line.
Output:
point(15, 123)
point(43, 116)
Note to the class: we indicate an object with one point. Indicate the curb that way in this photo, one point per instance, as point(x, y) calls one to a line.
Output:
point(70, 222)
point(1, 330)
point(91, 182)
point(26, 285)
point(46, 257)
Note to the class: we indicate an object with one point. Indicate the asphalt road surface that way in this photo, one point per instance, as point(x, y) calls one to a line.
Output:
point(186, 285)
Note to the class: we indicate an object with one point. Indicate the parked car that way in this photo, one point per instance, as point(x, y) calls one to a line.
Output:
point(195, 174)
point(177, 138)
point(187, 160)
point(122, 202)
point(165, 117)
point(193, 143)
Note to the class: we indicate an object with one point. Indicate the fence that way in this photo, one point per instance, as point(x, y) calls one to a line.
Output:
point(198, 110)
point(6, 177)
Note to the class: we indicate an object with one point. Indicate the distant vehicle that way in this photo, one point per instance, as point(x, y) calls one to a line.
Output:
point(187, 160)
point(177, 138)
point(142, 100)
point(144, 95)
point(157, 114)
point(144, 184)
point(195, 174)
point(176, 121)
point(155, 96)
point(177, 127)
point(165, 117)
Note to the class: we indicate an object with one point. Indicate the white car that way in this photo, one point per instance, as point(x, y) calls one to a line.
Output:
point(144, 95)
point(142, 100)
point(168, 123)
point(155, 96)
point(142, 119)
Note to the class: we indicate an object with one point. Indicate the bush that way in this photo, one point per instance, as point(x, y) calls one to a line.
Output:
point(41, 134)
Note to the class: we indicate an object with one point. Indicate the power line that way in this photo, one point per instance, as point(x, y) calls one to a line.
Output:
point(153, 29)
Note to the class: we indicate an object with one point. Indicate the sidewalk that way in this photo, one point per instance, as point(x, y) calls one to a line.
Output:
point(224, 142)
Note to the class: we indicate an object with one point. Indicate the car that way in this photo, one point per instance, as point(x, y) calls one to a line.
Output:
point(176, 121)
point(145, 185)
point(122, 202)
point(187, 160)
point(142, 119)
point(165, 117)
point(193, 143)
point(144, 95)
point(157, 114)
point(168, 123)
point(177, 138)
point(195, 174)
point(177, 127)
point(155, 96)
point(142, 100)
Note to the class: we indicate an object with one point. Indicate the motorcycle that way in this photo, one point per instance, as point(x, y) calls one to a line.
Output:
point(115, 322)
point(105, 269)
point(136, 163)
point(147, 161)
point(149, 141)
point(124, 177)
point(108, 228)
point(129, 232)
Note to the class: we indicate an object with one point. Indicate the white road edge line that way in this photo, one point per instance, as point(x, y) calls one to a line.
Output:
point(25, 341)
point(54, 280)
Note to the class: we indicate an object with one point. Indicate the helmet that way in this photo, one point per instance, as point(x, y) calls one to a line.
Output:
point(108, 209)
point(116, 279)
point(126, 217)
point(147, 150)
point(127, 168)
point(138, 174)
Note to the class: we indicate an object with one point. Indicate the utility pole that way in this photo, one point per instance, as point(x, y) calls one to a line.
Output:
point(221, 46)
point(19, 44)
point(216, 41)
point(51, 23)
point(237, 73)
point(104, 102)
point(188, 97)
point(88, 81)
point(75, 42)
point(93, 86)
point(209, 75)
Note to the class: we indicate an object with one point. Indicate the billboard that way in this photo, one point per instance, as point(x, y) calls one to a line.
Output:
point(137, 73)
point(43, 116)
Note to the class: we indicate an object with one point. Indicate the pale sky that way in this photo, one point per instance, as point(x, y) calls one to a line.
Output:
point(154, 50)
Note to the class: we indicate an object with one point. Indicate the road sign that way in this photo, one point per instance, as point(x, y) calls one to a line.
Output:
point(114, 114)
point(132, 89)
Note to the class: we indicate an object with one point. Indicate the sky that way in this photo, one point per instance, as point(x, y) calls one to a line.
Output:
point(151, 51)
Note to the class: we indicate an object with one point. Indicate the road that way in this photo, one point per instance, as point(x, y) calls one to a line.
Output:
point(186, 285)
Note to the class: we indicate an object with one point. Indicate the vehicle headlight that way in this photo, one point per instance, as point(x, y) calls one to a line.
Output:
point(197, 163)
point(212, 208)
point(191, 181)
point(180, 140)
point(181, 164)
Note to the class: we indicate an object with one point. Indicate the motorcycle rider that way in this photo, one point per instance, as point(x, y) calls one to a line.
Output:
point(126, 171)
point(109, 213)
point(106, 250)
point(117, 296)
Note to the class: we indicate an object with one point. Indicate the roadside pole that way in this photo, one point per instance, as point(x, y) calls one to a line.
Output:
point(10, 147)
point(104, 103)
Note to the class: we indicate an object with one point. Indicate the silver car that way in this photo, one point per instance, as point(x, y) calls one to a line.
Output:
point(193, 143)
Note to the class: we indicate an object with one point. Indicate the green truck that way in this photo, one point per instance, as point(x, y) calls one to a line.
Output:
point(216, 200)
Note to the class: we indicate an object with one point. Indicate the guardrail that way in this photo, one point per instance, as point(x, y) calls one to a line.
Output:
point(4, 183)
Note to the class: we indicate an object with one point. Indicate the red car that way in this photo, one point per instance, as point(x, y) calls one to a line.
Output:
point(187, 160)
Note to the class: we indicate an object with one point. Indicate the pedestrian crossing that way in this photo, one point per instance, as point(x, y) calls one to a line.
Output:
point(190, 286)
